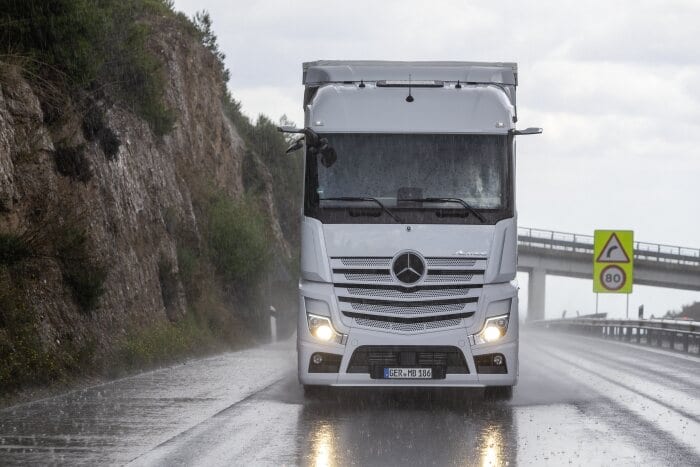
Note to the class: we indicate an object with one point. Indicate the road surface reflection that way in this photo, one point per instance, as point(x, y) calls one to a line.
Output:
point(406, 427)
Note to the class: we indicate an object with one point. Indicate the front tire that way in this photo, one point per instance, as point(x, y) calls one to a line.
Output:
point(498, 393)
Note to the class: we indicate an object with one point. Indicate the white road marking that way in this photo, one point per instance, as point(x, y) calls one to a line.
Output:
point(636, 400)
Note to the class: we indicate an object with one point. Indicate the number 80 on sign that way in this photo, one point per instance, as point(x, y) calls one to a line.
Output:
point(613, 278)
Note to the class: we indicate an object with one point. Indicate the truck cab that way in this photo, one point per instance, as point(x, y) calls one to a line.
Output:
point(409, 227)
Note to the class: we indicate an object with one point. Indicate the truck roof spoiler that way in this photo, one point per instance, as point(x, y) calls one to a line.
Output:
point(344, 71)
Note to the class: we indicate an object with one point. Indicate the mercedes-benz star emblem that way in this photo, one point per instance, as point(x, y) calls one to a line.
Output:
point(408, 267)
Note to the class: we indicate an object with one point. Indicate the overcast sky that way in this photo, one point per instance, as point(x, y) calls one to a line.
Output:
point(616, 86)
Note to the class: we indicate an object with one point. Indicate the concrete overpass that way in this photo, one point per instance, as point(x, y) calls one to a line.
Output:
point(542, 252)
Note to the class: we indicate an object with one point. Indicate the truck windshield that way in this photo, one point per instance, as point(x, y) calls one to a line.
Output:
point(398, 168)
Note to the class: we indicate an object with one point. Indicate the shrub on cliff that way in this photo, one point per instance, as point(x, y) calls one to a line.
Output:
point(81, 270)
point(71, 162)
point(13, 249)
point(239, 240)
point(95, 128)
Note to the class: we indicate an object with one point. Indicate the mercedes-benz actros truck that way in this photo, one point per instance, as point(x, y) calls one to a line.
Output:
point(409, 231)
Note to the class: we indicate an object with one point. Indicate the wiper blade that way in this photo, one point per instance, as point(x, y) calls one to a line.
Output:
point(466, 205)
point(365, 198)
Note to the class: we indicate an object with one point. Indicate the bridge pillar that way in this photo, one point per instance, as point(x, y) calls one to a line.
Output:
point(535, 294)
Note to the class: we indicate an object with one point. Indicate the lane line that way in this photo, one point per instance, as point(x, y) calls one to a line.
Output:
point(645, 369)
point(192, 428)
point(656, 412)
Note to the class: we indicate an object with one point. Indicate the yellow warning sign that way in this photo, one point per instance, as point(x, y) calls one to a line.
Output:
point(613, 261)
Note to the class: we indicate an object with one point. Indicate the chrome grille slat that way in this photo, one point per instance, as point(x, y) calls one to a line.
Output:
point(367, 262)
point(391, 293)
point(448, 278)
point(395, 310)
point(368, 277)
point(441, 262)
point(412, 327)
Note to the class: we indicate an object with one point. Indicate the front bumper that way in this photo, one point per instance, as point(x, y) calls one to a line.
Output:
point(456, 337)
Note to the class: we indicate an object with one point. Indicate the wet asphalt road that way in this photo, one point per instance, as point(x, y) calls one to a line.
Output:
point(580, 401)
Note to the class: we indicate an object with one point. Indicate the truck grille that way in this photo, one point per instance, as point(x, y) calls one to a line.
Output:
point(368, 359)
point(371, 297)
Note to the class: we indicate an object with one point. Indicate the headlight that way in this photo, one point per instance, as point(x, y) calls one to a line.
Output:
point(322, 329)
point(320, 325)
point(494, 328)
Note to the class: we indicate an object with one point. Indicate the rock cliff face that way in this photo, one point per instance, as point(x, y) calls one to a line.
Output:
point(134, 203)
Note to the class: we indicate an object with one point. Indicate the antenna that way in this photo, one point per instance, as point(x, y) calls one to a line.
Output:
point(458, 86)
point(409, 98)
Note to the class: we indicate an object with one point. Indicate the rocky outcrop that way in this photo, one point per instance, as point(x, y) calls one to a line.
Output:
point(134, 202)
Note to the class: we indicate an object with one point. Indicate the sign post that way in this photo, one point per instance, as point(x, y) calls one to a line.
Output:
point(613, 262)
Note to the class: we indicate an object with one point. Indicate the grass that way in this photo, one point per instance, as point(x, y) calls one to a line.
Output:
point(164, 342)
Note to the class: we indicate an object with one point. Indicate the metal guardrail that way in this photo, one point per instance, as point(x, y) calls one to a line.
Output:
point(577, 243)
point(675, 335)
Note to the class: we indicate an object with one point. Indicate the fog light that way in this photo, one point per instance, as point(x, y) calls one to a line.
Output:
point(317, 359)
point(498, 360)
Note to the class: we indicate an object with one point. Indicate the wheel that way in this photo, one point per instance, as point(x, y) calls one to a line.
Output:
point(498, 393)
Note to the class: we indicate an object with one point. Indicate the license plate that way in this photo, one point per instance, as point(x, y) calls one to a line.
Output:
point(408, 373)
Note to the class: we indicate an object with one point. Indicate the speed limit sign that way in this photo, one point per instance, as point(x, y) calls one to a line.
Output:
point(613, 278)
point(613, 261)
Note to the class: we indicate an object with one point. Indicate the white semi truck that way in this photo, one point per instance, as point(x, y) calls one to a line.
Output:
point(409, 232)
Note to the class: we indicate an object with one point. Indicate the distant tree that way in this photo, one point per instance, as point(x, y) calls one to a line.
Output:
point(691, 311)
point(204, 24)
point(285, 121)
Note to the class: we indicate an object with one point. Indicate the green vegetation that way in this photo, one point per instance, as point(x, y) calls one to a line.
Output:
point(203, 23)
point(239, 240)
point(90, 45)
point(162, 342)
point(81, 271)
point(23, 358)
point(264, 142)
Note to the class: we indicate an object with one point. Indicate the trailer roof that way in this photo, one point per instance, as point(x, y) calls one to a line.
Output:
point(339, 71)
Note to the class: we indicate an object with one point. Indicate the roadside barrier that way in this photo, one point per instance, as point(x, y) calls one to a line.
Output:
point(677, 335)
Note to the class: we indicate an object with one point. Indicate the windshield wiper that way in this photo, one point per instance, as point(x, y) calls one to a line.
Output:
point(365, 198)
point(466, 205)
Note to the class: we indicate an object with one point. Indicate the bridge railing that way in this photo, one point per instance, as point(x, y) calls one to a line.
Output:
point(578, 243)
point(678, 335)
